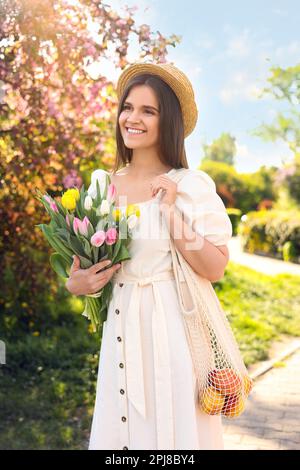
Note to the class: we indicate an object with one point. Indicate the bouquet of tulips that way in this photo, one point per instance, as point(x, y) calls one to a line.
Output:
point(94, 230)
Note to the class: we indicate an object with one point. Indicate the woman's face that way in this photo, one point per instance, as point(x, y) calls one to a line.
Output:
point(140, 111)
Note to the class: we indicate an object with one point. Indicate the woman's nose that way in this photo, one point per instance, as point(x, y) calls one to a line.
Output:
point(134, 117)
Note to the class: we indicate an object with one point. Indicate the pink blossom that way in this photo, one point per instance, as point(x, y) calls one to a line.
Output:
point(100, 146)
point(53, 206)
point(72, 179)
point(52, 111)
point(81, 226)
point(98, 238)
point(111, 236)
point(111, 193)
point(94, 90)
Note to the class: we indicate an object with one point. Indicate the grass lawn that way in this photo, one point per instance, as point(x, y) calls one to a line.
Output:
point(260, 308)
point(48, 384)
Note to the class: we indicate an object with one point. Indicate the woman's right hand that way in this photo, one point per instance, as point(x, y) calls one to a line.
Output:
point(90, 280)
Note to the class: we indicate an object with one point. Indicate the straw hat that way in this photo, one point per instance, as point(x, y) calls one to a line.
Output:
point(176, 79)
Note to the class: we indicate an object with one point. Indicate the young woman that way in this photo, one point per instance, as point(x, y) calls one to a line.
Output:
point(146, 391)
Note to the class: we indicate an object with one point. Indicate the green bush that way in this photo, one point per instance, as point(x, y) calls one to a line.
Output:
point(289, 251)
point(244, 191)
point(235, 217)
point(269, 231)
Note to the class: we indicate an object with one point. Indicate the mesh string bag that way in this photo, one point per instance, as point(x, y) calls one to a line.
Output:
point(223, 382)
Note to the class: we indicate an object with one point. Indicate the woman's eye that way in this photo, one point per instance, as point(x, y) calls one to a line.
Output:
point(127, 107)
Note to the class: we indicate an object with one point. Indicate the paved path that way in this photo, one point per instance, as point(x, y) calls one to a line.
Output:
point(260, 263)
point(271, 420)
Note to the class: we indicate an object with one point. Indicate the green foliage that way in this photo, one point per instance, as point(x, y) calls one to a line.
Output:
point(48, 386)
point(284, 84)
point(284, 201)
point(260, 308)
point(267, 232)
point(242, 191)
point(289, 251)
point(288, 178)
point(59, 265)
point(235, 217)
point(222, 149)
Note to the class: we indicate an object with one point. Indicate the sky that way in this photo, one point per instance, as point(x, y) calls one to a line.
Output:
point(227, 49)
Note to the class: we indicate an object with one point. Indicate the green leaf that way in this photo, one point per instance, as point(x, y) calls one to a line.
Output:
point(95, 250)
point(116, 249)
point(85, 263)
point(63, 233)
point(75, 244)
point(123, 253)
point(98, 197)
point(87, 247)
point(61, 208)
point(91, 231)
point(59, 265)
point(55, 242)
point(107, 183)
point(82, 198)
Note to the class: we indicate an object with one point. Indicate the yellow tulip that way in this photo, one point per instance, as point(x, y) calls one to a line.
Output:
point(132, 209)
point(75, 192)
point(68, 201)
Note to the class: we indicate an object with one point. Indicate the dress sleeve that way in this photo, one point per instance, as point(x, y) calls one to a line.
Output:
point(99, 175)
point(202, 207)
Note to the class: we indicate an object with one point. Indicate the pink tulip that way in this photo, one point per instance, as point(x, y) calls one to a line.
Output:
point(111, 236)
point(53, 206)
point(81, 226)
point(98, 238)
point(111, 193)
point(47, 198)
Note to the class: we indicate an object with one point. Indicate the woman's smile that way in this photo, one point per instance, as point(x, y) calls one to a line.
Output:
point(133, 132)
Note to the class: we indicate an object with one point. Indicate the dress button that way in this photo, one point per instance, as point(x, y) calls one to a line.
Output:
point(122, 391)
point(119, 338)
point(121, 365)
point(125, 448)
point(121, 285)
point(123, 419)
point(117, 311)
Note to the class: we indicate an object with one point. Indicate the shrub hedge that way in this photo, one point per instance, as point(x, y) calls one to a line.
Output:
point(271, 232)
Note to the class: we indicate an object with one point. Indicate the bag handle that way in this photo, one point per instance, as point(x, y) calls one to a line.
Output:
point(182, 285)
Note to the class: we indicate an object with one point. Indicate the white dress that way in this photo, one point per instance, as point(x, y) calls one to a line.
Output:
point(146, 388)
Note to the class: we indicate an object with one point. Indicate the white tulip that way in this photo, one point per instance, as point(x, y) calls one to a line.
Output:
point(88, 203)
point(105, 207)
point(97, 175)
point(131, 221)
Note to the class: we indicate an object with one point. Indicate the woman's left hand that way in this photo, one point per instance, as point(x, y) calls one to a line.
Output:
point(169, 189)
